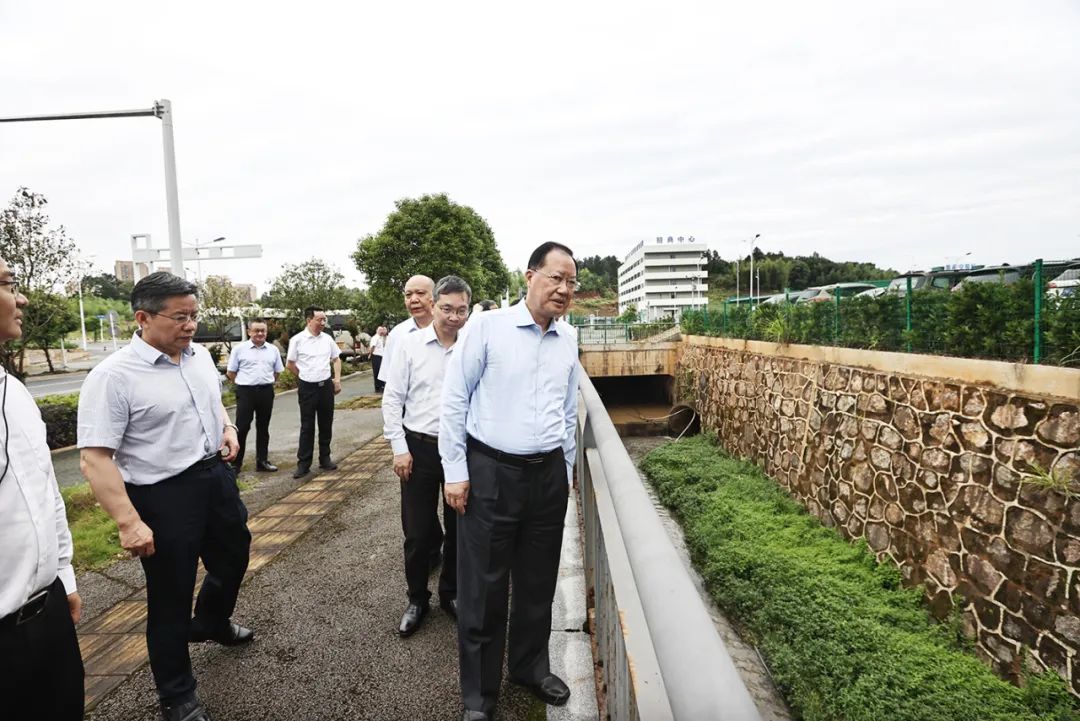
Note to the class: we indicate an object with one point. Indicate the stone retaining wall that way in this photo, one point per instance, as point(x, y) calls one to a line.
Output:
point(947, 476)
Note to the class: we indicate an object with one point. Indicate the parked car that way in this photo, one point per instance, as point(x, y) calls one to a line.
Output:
point(873, 293)
point(780, 298)
point(1000, 274)
point(844, 290)
point(1065, 285)
point(898, 286)
point(804, 296)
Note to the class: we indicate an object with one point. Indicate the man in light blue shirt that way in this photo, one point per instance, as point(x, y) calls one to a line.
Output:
point(506, 438)
point(254, 366)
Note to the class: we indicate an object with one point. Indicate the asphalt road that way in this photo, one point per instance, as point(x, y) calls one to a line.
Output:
point(50, 385)
point(284, 431)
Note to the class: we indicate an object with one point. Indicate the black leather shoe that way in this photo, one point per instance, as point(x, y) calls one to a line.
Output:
point(449, 605)
point(301, 471)
point(328, 465)
point(265, 467)
point(551, 689)
point(233, 635)
point(410, 620)
point(187, 711)
point(476, 716)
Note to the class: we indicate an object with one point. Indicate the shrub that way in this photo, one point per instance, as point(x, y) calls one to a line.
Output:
point(61, 416)
point(286, 381)
point(844, 640)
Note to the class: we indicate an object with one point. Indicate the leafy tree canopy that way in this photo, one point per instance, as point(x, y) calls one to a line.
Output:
point(433, 236)
point(107, 286)
point(313, 282)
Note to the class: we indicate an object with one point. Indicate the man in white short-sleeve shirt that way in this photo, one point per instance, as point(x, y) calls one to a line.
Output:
point(254, 366)
point(311, 355)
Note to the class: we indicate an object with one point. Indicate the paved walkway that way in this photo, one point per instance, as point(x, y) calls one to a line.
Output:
point(324, 592)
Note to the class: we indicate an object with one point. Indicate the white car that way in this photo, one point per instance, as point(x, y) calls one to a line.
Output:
point(1065, 284)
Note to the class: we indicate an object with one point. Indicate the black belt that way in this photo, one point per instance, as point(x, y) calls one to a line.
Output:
point(317, 384)
point(422, 437)
point(29, 610)
point(256, 385)
point(204, 464)
point(512, 458)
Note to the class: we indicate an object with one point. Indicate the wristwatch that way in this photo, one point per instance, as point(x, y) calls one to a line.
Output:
point(231, 425)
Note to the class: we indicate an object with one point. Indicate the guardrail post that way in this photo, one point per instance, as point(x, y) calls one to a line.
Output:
point(836, 320)
point(907, 304)
point(1038, 309)
point(724, 326)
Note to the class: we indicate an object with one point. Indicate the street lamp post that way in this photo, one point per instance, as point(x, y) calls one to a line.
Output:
point(752, 270)
point(163, 111)
point(82, 313)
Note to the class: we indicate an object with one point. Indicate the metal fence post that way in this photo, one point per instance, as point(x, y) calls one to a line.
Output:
point(907, 303)
point(724, 325)
point(706, 320)
point(836, 320)
point(1038, 309)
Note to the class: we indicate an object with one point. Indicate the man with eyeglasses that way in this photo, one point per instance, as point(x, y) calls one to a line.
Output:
point(506, 438)
point(254, 366)
point(41, 669)
point(411, 424)
point(311, 355)
point(156, 442)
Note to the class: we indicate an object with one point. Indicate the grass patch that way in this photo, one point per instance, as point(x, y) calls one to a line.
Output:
point(844, 640)
point(360, 402)
point(96, 538)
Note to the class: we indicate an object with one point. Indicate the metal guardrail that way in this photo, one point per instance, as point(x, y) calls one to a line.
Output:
point(611, 333)
point(662, 658)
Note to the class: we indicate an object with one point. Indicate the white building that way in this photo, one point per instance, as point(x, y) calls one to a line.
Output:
point(664, 277)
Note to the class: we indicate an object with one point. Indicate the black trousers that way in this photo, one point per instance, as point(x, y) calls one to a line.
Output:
point(376, 364)
point(257, 402)
point(41, 670)
point(420, 498)
point(511, 531)
point(196, 514)
point(316, 402)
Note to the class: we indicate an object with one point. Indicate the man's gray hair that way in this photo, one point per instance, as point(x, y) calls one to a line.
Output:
point(151, 293)
point(452, 284)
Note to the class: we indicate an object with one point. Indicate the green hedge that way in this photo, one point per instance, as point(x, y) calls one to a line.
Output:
point(979, 321)
point(61, 416)
point(844, 641)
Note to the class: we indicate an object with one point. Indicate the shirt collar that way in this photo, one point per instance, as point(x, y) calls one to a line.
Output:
point(522, 317)
point(149, 353)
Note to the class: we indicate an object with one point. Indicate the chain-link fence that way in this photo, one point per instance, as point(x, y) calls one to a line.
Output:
point(1014, 322)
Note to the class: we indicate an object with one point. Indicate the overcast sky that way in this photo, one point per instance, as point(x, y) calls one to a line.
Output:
point(905, 133)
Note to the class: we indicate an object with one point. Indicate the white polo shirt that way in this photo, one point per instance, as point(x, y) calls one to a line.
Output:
point(312, 355)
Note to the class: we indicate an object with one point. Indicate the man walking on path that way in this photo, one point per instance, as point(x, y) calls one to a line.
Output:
point(41, 669)
point(506, 437)
point(155, 442)
point(411, 424)
point(254, 366)
point(311, 353)
point(378, 347)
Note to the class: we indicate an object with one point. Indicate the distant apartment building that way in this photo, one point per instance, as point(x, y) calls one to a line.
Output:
point(124, 270)
point(664, 277)
point(247, 292)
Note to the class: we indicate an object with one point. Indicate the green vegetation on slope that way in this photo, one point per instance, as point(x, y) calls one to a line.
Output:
point(844, 640)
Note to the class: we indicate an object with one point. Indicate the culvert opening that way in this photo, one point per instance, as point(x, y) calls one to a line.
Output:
point(641, 405)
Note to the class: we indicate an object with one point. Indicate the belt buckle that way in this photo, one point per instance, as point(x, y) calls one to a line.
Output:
point(535, 460)
point(20, 618)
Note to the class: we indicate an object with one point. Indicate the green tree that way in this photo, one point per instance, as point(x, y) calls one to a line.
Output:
point(46, 320)
point(42, 257)
point(108, 286)
point(313, 282)
point(630, 315)
point(433, 236)
point(219, 301)
point(590, 282)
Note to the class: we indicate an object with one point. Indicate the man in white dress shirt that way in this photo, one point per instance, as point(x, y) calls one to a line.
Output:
point(41, 670)
point(254, 366)
point(156, 442)
point(419, 300)
point(378, 347)
point(411, 424)
point(506, 438)
point(311, 355)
